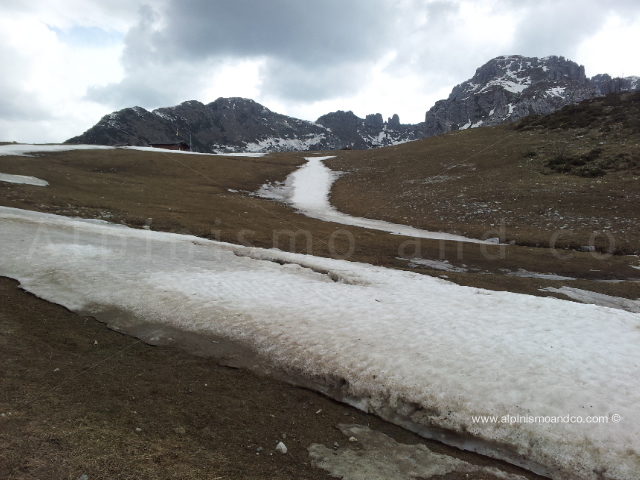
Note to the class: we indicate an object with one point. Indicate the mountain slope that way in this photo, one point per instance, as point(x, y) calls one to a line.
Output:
point(227, 124)
point(239, 124)
point(569, 179)
point(508, 88)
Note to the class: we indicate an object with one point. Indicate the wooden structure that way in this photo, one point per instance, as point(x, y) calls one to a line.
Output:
point(183, 146)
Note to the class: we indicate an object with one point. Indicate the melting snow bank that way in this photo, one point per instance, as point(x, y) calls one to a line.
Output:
point(23, 149)
point(5, 177)
point(307, 189)
point(435, 357)
point(601, 299)
point(186, 152)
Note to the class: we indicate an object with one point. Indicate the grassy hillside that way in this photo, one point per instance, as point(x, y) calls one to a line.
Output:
point(209, 196)
point(571, 179)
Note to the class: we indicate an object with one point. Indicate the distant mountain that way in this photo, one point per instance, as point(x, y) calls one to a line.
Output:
point(503, 90)
point(239, 124)
point(370, 132)
point(508, 88)
point(606, 85)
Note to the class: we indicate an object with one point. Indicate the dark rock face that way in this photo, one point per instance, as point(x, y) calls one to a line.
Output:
point(508, 88)
point(226, 125)
point(239, 124)
point(370, 132)
point(606, 85)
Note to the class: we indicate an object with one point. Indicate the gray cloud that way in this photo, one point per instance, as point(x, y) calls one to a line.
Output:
point(549, 27)
point(313, 50)
point(17, 102)
point(309, 33)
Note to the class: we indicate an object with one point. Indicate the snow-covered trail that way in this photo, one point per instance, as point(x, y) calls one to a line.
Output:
point(414, 349)
point(308, 188)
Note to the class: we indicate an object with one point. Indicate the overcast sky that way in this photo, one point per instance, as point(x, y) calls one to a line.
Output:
point(66, 63)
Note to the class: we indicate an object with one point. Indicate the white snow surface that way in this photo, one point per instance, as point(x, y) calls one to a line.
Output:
point(396, 337)
point(556, 91)
point(596, 298)
point(521, 272)
point(163, 150)
point(25, 179)
point(285, 144)
point(308, 188)
point(23, 149)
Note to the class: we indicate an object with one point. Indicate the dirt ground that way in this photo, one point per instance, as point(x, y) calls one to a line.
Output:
point(75, 393)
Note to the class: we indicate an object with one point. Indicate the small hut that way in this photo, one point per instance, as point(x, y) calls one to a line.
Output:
point(182, 146)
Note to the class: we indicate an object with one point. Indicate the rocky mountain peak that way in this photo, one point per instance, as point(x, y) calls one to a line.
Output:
point(393, 122)
point(606, 85)
point(507, 88)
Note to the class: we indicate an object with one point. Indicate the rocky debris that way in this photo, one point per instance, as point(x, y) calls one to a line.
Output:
point(281, 448)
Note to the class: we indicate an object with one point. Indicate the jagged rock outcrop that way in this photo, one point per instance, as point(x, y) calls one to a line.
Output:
point(606, 85)
point(508, 88)
point(370, 132)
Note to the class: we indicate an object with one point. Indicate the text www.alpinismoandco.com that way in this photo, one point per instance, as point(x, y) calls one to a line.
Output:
point(515, 419)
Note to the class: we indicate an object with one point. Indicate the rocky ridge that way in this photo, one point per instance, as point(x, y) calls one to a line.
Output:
point(239, 124)
point(503, 90)
point(508, 88)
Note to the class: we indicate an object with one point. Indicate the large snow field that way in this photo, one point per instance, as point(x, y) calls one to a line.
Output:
point(416, 349)
point(307, 189)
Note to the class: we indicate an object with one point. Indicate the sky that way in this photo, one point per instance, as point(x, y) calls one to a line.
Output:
point(67, 63)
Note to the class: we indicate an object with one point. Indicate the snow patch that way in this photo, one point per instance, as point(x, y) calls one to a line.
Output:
point(556, 91)
point(308, 188)
point(286, 144)
point(586, 296)
point(23, 149)
point(547, 276)
point(443, 265)
point(5, 177)
point(186, 152)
